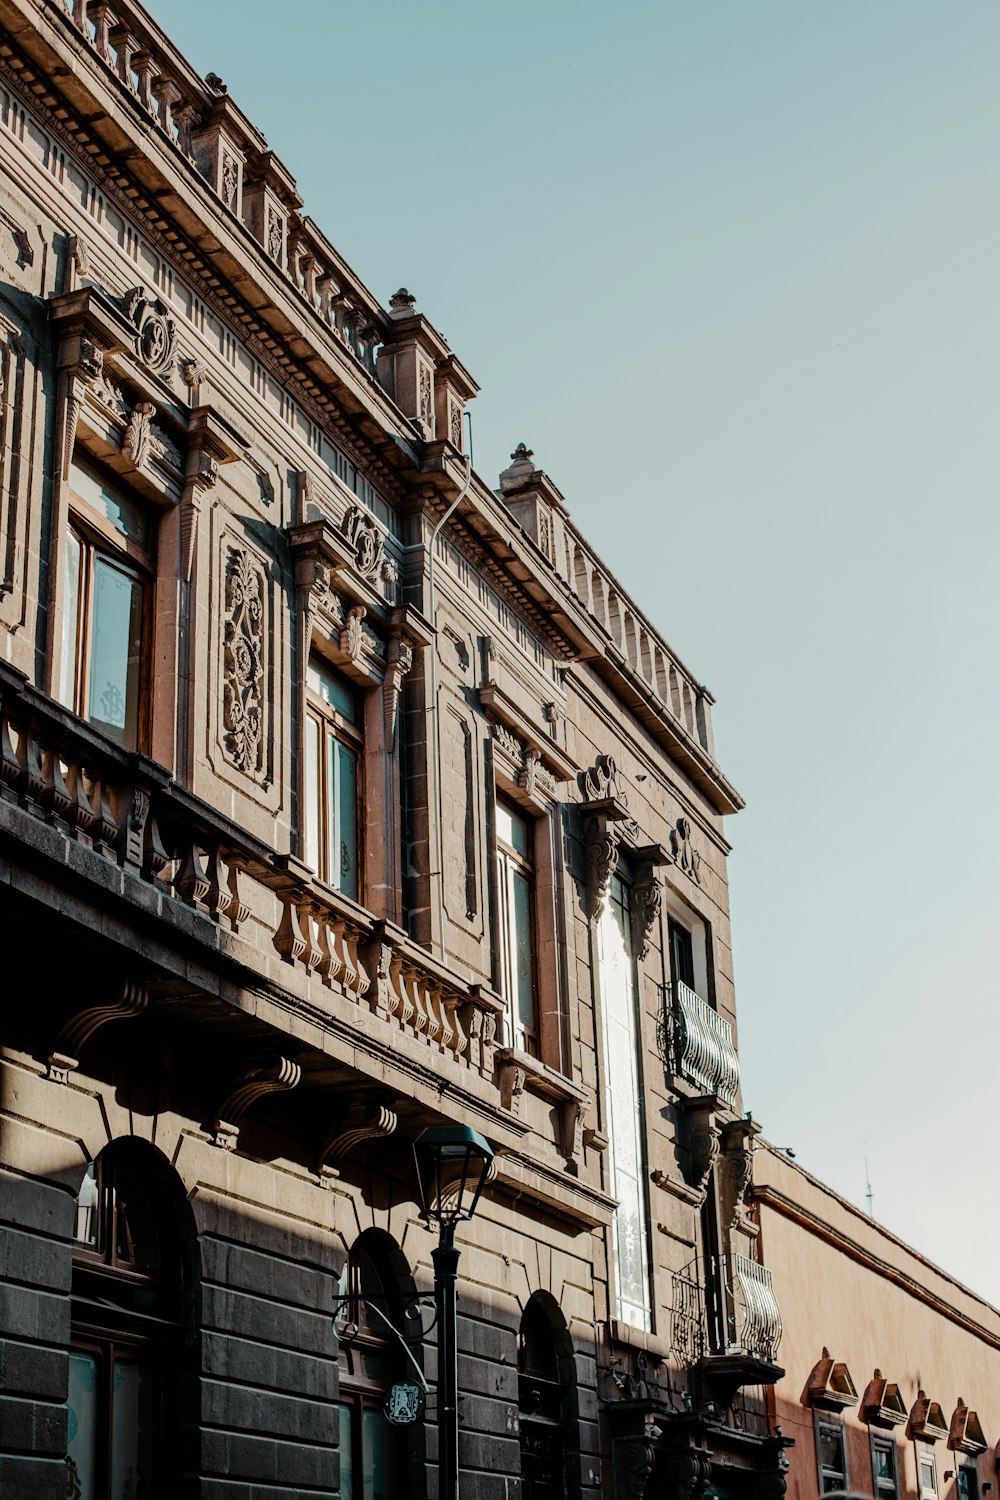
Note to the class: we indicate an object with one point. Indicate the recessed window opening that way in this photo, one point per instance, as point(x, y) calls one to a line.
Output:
point(332, 765)
point(516, 925)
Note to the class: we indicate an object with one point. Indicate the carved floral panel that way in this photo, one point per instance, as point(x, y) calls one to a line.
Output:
point(243, 663)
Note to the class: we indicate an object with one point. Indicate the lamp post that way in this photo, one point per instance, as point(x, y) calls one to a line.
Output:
point(452, 1166)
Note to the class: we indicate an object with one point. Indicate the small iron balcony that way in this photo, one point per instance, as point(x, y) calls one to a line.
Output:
point(703, 1050)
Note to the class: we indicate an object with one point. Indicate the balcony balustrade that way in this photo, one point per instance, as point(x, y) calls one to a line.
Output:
point(758, 1314)
point(126, 811)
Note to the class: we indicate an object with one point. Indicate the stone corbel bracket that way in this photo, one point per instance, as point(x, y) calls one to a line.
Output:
point(606, 822)
point(408, 632)
point(704, 1144)
point(276, 1075)
point(519, 1073)
point(736, 1176)
point(63, 1059)
point(538, 764)
point(647, 894)
point(212, 442)
point(88, 330)
point(361, 1125)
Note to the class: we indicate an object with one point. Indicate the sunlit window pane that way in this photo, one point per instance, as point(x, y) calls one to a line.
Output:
point(347, 819)
point(312, 810)
point(70, 621)
point(126, 517)
point(524, 968)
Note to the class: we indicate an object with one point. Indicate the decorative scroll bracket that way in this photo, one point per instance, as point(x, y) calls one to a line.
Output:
point(274, 1076)
point(355, 1128)
point(74, 1036)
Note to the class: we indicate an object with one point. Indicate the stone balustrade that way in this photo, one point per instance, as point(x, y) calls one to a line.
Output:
point(197, 117)
point(657, 667)
point(127, 810)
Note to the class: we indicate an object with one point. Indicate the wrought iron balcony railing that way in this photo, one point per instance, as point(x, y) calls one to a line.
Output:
point(758, 1314)
point(703, 1048)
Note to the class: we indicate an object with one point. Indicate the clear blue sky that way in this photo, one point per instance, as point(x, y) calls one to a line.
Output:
point(731, 270)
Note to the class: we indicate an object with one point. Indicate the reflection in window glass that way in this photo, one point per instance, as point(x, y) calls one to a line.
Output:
point(380, 1466)
point(123, 514)
point(346, 1454)
point(515, 900)
point(136, 1424)
point(115, 651)
point(625, 1129)
point(86, 1208)
point(81, 1430)
point(71, 621)
point(331, 782)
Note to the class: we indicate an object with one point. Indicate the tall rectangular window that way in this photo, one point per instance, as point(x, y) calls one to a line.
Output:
point(626, 1135)
point(332, 779)
point(106, 606)
point(928, 1475)
point(515, 920)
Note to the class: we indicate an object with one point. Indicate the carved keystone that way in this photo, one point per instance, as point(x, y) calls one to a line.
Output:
point(274, 1076)
point(62, 1060)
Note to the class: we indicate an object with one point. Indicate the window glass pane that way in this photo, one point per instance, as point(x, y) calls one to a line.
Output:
point(346, 1455)
point(312, 810)
point(86, 1209)
point(831, 1449)
point(136, 1240)
point(346, 821)
point(512, 829)
point(123, 514)
point(380, 1467)
point(136, 1423)
point(71, 621)
point(524, 970)
point(81, 1445)
point(116, 644)
point(885, 1468)
point(333, 689)
point(927, 1483)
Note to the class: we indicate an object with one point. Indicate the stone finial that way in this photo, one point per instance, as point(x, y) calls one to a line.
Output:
point(402, 303)
point(521, 468)
point(216, 84)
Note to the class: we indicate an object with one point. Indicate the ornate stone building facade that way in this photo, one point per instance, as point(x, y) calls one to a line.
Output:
point(340, 796)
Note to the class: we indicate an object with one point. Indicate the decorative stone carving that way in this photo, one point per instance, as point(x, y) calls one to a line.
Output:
point(104, 391)
point(76, 248)
point(635, 1459)
point(508, 742)
point(366, 539)
point(243, 663)
point(739, 1176)
point(511, 1087)
point(402, 301)
point(91, 364)
point(274, 1076)
point(705, 1146)
point(528, 778)
point(647, 899)
point(601, 841)
point(684, 852)
point(352, 636)
point(399, 663)
point(194, 375)
point(456, 426)
point(156, 331)
point(162, 448)
point(426, 396)
point(599, 782)
point(230, 180)
point(275, 233)
point(687, 1475)
point(360, 1126)
point(137, 442)
point(130, 1002)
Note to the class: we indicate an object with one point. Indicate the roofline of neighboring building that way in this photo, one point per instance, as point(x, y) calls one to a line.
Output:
point(770, 1196)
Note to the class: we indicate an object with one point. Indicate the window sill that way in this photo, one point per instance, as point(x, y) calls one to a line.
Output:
point(539, 1078)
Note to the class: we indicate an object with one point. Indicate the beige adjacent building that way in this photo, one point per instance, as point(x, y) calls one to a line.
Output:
point(890, 1386)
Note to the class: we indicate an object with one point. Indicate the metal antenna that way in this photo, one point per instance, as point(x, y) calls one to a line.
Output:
point(869, 1195)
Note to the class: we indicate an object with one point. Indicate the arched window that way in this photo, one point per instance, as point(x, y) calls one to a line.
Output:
point(126, 1315)
point(545, 1393)
point(376, 1457)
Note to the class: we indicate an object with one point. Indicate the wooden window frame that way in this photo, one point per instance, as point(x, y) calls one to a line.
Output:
point(332, 724)
point(925, 1455)
point(99, 539)
point(357, 1392)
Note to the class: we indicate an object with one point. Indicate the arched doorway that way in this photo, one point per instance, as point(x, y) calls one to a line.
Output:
point(546, 1403)
point(129, 1280)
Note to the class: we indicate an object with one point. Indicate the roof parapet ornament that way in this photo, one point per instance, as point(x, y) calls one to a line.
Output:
point(402, 303)
point(521, 469)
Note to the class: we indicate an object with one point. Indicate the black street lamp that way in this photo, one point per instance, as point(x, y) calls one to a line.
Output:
point(453, 1163)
